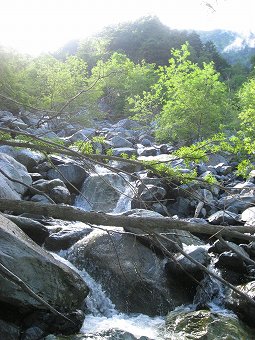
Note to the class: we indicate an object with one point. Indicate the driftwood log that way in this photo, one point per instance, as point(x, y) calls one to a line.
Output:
point(147, 224)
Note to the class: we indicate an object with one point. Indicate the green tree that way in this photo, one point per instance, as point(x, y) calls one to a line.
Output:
point(123, 79)
point(247, 102)
point(193, 101)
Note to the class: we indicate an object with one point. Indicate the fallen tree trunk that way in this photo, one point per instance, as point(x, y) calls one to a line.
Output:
point(69, 213)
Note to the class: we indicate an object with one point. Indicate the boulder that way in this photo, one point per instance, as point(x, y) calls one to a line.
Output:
point(223, 217)
point(124, 150)
point(9, 331)
point(34, 229)
point(131, 274)
point(204, 324)
point(16, 171)
point(101, 192)
point(53, 281)
point(68, 173)
point(186, 270)
point(66, 236)
point(240, 305)
point(120, 142)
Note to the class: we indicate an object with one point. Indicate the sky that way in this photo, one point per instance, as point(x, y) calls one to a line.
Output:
point(36, 26)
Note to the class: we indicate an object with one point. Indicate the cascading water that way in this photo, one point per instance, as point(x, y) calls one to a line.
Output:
point(103, 317)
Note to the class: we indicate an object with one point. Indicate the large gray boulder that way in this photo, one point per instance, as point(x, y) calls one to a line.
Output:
point(53, 281)
point(16, 171)
point(131, 274)
point(68, 173)
point(101, 192)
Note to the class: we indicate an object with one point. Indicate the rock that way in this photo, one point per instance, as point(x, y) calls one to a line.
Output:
point(231, 261)
point(248, 215)
point(131, 274)
point(34, 229)
point(151, 193)
point(82, 135)
point(127, 124)
point(236, 203)
point(27, 157)
point(147, 151)
point(101, 192)
point(40, 199)
point(56, 283)
point(68, 173)
point(46, 185)
point(127, 151)
point(9, 331)
point(16, 171)
point(182, 266)
point(223, 217)
point(204, 324)
point(215, 159)
point(66, 236)
point(120, 142)
point(60, 194)
point(146, 142)
point(240, 305)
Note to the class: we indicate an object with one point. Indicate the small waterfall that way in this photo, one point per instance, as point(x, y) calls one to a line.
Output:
point(102, 315)
point(124, 202)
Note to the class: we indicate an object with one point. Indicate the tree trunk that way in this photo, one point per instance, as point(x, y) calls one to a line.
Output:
point(147, 224)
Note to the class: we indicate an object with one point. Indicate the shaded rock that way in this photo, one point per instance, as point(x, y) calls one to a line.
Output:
point(232, 261)
point(147, 151)
point(120, 142)
point(236, 203)
point(56, 283)
point(119, 151)
point(183, 266)
point(34, 229)
point(60, 194)
point(131, 274)
point(240, 305)
point(66, 236)
point(9, 331)
point(40, 198)
point(223, 217)
point(204, 324)
point(72, 173)
point(46, 185)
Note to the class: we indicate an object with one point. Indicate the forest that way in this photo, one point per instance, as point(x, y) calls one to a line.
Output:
point(145, 134)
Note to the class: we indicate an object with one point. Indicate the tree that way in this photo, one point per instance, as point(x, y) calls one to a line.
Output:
point(125, 79)
point(247, 102)
point(193, 101)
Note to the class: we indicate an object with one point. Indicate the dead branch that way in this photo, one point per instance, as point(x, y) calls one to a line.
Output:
point(148, 224)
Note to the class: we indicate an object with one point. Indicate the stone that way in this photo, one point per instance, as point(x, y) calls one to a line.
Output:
point(9, 331)
point(56, 283)
point(34, 229)
point(127, 151)
point(131, 274)
point(182, 266)
point(69, 173)
point(120, 142)
point(101, 192)
point(46, 186)
point(248, 215)
point(66, 236)
point(16, 171)
point(147, 151)
point(223, 217)
point(204, 324)
point(60, 194)
point(240, 305)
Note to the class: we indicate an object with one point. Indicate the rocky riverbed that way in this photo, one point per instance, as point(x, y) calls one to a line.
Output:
point(42, 297)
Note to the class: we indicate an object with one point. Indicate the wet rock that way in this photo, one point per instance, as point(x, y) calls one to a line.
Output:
point(204, 324)
point(131, 274)
point(56, 283)
point(232, 261)
point(240, 305)
point(182, 266)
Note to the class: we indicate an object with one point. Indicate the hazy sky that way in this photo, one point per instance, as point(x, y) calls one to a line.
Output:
point(33, 26)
